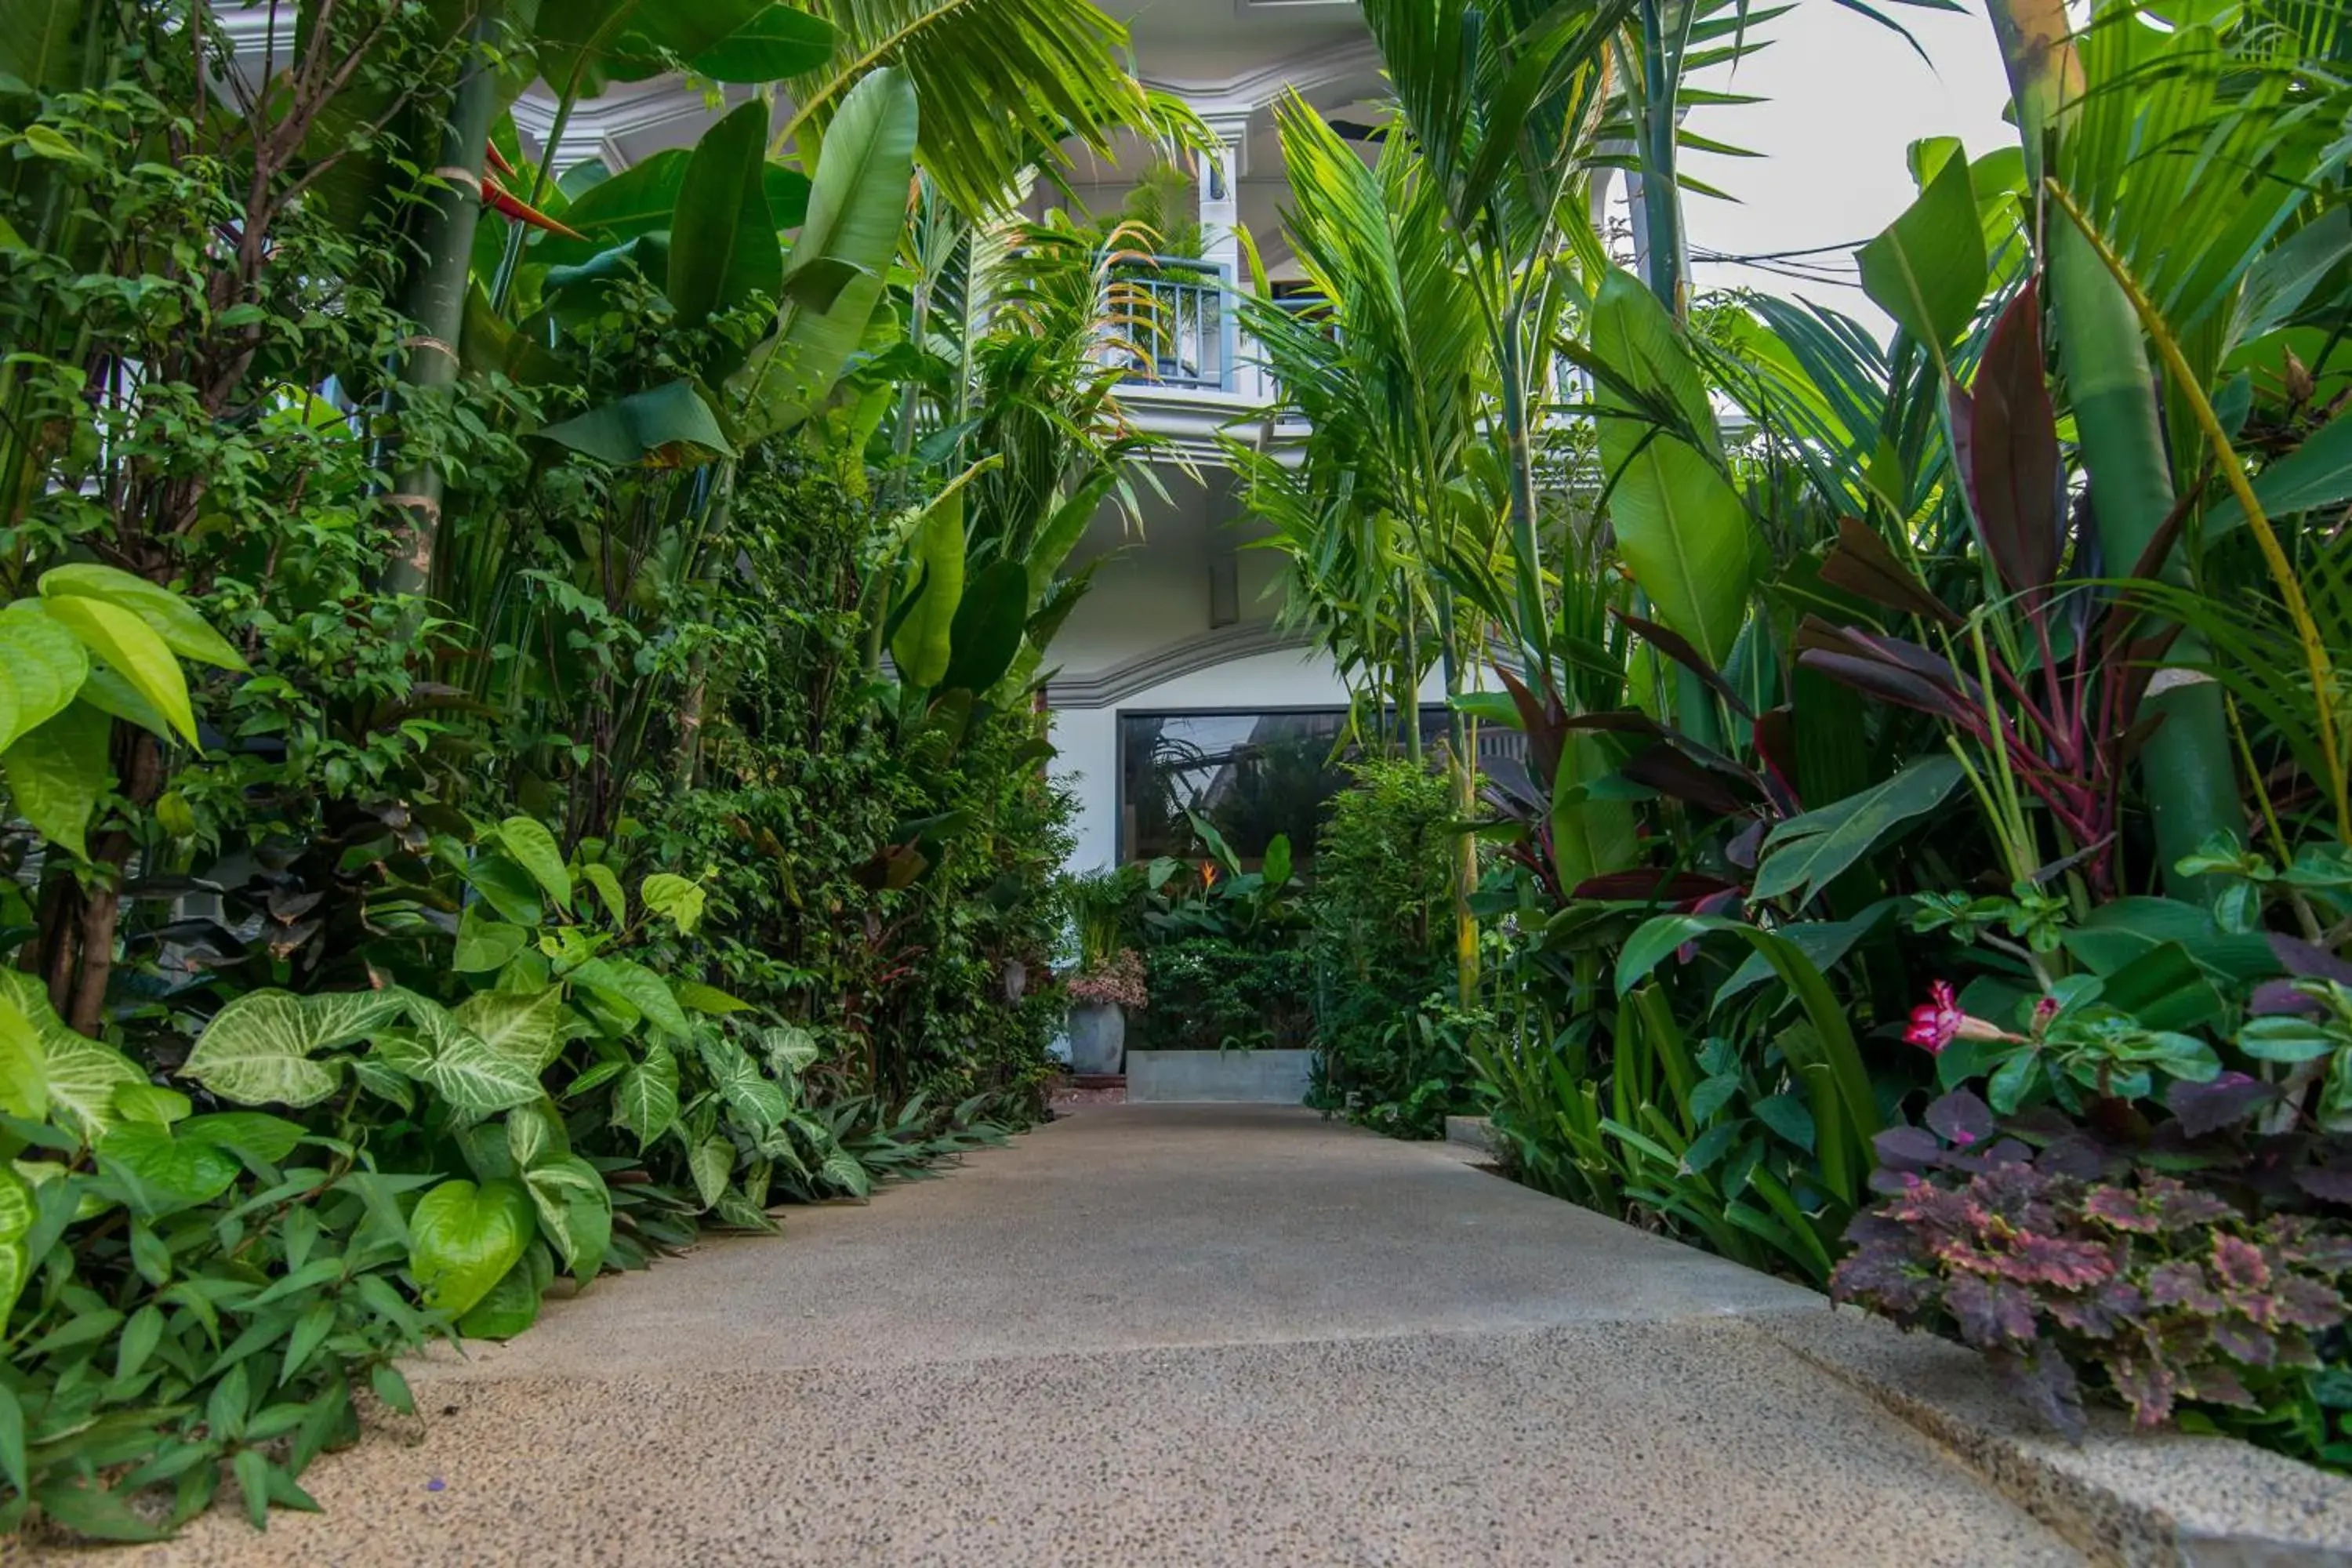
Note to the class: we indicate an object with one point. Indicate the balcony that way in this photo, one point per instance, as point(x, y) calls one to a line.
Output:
point(1178, 324)
point(1191, 372)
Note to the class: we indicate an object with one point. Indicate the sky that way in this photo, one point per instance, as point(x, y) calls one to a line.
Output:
point(1845, 97)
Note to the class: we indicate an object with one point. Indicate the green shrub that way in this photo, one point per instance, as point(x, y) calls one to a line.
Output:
point(1381, 946)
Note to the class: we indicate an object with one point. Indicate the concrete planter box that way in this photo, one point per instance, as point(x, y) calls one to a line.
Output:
point(1253, 1078)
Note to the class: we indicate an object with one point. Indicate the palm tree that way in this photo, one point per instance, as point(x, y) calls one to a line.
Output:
point(1392, 372)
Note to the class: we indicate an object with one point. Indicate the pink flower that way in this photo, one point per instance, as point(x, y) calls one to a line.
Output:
point(2044, 1011)
point(1937, 1023)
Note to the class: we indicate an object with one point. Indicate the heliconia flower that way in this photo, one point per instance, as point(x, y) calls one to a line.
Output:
point(1937, 1022)
point(505, 202)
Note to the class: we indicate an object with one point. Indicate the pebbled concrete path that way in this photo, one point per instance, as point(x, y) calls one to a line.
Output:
point(1158, 1334)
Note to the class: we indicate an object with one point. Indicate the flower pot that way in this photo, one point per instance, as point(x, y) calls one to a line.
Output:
point(1097, 1038)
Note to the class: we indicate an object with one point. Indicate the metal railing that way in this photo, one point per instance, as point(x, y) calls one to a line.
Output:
point(1179, 326)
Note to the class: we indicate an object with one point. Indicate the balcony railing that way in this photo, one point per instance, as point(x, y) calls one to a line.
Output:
point(1179, 326)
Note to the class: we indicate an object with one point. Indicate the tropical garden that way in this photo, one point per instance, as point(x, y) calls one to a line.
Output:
point(520, 700)
point(1921, 866)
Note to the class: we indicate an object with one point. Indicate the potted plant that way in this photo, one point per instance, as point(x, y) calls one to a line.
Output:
point(1109, 979)
point(1099, 997)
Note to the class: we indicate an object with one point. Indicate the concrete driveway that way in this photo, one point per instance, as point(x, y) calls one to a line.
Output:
point(1158, 1334)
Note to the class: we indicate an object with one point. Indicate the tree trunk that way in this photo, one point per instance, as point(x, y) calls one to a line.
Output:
point(437, 296)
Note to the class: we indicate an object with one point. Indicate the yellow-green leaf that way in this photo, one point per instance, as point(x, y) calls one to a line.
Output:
point(42, 667)
point(57, 772)
point(133, 650)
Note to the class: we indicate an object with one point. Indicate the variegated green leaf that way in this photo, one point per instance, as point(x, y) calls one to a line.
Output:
point(711, 1161)
point(733, 1208)
point(645, 1096)
point(257, 1049)
point(575, 1210)
point(842, 1169)
point(791, 1049)
point(83, 1075)
point(523, 1027)
point(464, 1070)
point(535, 1134)
point(761, 1105)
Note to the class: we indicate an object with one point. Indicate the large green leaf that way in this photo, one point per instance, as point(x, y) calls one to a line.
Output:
point(1680, 526)
point(24, 1064)
point(575, 1211)
point(723, 242)
point(535, 849)
point(2317, 474)
point(638, 200)
point(257, 1049)
point(924, 643)
point(167, 1173)
point(510, 1307)
point(1810, 851)
point(1823, 943)
point(857, 206)
point(678, 899)
point(57, 772)
point(42, 667)
point(627, 983)
point(463, 1239)
point(985, 635)
point(1928, 270)
point(1589, 836)
point(779, 42)
point(2165, 988)
point(172, 618)
point(250, 1134)
point(40, 41)
point(485, 944)
point(670, 423)
point(133, 650)
point(2122, 931)
point(593, 43)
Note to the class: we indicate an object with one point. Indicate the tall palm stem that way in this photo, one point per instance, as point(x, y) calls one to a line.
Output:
point(437, 298)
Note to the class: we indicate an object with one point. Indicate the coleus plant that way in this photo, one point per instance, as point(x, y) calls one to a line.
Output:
point(2079, 1255)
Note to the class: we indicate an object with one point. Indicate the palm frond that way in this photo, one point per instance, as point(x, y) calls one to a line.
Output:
point(1003, 84)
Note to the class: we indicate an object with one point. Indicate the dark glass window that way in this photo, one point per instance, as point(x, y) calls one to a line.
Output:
point(1250, 776)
